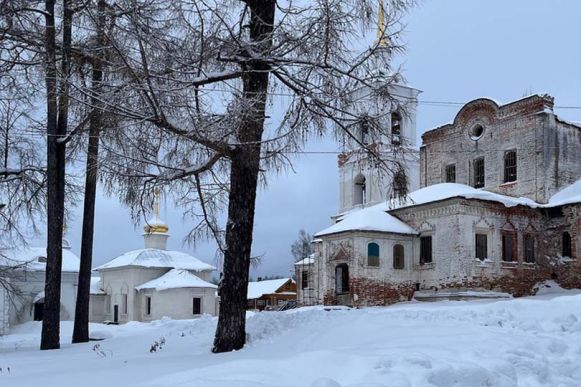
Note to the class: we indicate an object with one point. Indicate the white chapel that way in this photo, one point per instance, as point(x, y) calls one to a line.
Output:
point(153, 282)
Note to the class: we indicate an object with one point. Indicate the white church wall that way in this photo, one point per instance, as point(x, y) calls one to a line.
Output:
point(4, 311)
point(123, 281)
point(361, 274)
point(175, 303)
point(30, 285)
point(97, 308)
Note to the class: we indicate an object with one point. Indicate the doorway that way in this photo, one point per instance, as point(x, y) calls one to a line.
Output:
point(116, 313)
point(38, 311)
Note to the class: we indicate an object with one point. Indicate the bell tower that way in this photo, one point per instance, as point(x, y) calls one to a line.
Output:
point(386, 128)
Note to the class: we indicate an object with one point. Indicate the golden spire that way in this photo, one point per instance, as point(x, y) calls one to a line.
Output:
point(156, 225)
point(381, 33)
point(156, 204)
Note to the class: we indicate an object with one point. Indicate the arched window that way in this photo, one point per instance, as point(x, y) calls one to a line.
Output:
point(395, 128)
point(342, 278)
point(364, 128)
point(373, 254)
point(399, 184)
point(567, 251)
point(359, 196)
point(398, 257)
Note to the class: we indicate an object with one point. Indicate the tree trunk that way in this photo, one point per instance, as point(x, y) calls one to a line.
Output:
point(57, 117)
point(245, 164)
point(81, 328)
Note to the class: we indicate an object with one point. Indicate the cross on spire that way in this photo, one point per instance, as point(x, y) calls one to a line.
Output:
point(381, 33)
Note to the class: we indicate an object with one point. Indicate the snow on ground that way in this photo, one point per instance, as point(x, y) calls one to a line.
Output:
point(530, 342)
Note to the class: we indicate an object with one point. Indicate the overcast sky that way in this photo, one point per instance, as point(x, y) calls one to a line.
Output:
point(457, 50)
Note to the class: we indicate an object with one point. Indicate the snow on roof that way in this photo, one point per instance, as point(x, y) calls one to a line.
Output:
point(568, 195)
point(306, 261)
point(157, 258)
point(375, 218)
point(38, 297)
point(444, 191)
point(34, 259)
point(96, 286)
point(369, 219)
point(260, 288)
point(175, 279)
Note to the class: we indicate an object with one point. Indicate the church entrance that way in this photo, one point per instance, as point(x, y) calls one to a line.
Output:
point(342, 284)
point(116, 314)
point(38, 311)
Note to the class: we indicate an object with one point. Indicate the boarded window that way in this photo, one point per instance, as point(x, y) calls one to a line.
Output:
point(395, 128)
point(373, 254)
point(509, 166)
point(398, 257)
point(479, 172)
point(197, 305)
point(481, 246)
point(425, 249)
point(509, 246)
point(148, 305)
point(451, 173)
point(304, 279)
point(567, 250)
point(529, 248)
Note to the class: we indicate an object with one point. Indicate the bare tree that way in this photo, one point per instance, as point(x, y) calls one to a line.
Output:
point(96, 121)
point(57, 99)
point(198, 80)
point(301, 247)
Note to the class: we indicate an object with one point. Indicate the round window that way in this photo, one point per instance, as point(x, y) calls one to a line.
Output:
point(476, 132)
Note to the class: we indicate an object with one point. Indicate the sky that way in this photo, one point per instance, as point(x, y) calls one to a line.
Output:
point(457, 50)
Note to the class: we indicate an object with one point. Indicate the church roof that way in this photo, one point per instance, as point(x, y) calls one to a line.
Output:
point(34, 259)
point(377, 217)
point(568, 195)
point(443, 191)
point(306, 261)
point(373, 218)
point(175, 279)
point(159, 259)
point(96, 286)
point(260, 288)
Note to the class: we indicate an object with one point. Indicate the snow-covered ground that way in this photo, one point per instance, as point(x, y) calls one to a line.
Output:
point(530, 342)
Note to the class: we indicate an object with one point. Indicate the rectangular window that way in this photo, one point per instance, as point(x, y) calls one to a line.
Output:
point(108, 303)
point(148, 306)
point(451, 173)
point(509, 166)
point(304, 279)
point(478, 165)
point(529, 248)
point(425, 249)
point(509, 246)
point(125, 304)
point(481, 246)
point(197, 305)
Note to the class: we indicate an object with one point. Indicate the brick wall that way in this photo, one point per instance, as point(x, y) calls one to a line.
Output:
point(548, 156)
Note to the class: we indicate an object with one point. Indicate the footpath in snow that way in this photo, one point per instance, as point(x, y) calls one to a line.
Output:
point(530, 342)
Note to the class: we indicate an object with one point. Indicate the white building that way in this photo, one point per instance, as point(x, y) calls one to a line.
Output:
point(24, 269)
point(150, 283)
